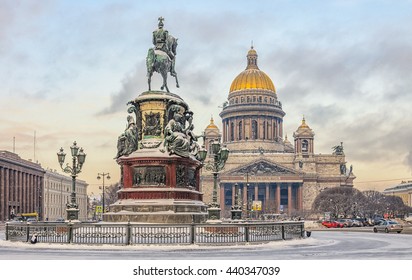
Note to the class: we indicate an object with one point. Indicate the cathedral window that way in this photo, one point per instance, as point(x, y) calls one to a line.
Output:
point(305, 146)
point(232, 131)
point(242, 100)
point(260, 99)
point(248, 99)
point(240, 131)
point(254, 129)
point(254, 98)
point(236, 100)
point(266, 100)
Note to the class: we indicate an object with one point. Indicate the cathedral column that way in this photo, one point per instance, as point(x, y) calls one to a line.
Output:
point(289, 198)
point(281, 128)
point(277, 198)
point(300, 192)
point(236, 129)
point(271, 129)
point(244, 129)
point(267, 198)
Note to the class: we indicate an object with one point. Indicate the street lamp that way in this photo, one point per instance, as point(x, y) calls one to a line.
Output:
point(220, 155)
point(78, 159)
point(102, 177)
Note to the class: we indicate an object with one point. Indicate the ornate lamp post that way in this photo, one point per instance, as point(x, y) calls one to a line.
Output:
point(220, 155)
point(78, 159)
point(102, 177)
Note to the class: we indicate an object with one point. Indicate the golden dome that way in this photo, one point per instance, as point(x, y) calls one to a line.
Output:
point(252, 77)
point(212, 124)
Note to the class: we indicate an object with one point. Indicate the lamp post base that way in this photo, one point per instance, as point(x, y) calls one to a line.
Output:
point(213, 213)
point(236, 214)
point(72, 214)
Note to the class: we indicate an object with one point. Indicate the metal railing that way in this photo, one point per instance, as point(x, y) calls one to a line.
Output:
point(135, 233)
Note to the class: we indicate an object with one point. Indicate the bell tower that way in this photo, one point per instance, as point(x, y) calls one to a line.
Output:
point(304, 140)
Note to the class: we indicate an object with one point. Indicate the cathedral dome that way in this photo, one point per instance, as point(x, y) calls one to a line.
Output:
point(212, 125)
point(252, 77)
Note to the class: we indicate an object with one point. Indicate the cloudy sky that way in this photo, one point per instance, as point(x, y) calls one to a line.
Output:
point(68, 68)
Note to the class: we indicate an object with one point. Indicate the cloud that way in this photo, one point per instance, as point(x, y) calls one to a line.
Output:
point(130, 86)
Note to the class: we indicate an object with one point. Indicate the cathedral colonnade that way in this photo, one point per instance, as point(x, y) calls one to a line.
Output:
point(274, 197)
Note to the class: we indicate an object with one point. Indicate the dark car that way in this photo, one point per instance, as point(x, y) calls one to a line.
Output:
point(388, 226)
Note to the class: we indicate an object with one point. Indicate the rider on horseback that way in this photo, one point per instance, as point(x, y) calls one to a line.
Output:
point(160, 39)
point(162, 57)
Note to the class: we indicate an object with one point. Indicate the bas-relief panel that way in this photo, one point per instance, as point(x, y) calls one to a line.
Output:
point(149, 175)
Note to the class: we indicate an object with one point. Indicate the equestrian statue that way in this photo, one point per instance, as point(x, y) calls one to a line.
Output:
point(162, 57)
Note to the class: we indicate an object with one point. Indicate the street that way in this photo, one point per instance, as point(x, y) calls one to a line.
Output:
point(322, 245)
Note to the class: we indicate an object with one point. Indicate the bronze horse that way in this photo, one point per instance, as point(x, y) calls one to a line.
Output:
point(162, 62)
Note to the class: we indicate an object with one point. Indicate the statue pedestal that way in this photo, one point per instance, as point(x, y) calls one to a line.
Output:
point(158, 188)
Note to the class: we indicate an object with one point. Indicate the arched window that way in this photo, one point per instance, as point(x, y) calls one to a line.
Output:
point(240, 130)
point(254, 129)
point(305, 146)
point(232, 131)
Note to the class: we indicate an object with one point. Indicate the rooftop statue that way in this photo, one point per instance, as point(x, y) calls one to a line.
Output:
point(162, 57)
point(338, 149)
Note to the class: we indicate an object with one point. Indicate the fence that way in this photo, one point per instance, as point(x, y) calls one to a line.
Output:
point(134, 233)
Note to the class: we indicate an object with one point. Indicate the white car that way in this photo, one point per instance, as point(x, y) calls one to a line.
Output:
point(388, 226)
point(409, 217)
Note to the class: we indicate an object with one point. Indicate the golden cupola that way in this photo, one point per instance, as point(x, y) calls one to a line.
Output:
point(252, 78)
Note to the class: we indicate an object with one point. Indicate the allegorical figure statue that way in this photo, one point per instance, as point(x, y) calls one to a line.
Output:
point(127, 142)
point(176, 140)
point(162, 57)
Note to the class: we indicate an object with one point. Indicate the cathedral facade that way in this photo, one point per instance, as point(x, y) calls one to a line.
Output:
point(268, 173)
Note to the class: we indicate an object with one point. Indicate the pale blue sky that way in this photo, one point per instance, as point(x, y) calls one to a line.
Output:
point(68, 68)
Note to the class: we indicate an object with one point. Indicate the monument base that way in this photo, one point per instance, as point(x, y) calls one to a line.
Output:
point(161, 211)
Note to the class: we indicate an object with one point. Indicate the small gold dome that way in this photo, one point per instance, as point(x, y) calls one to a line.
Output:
point(303, 125)
point(212, 124)
point(252, 77)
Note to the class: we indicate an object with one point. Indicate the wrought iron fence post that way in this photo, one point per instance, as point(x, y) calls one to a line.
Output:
point(27, 233)
point(302, 230)
point(283, 232)
point(128, 233)
point(70, 233)
point(7, 231)
point(247, 233)
point(192, 233)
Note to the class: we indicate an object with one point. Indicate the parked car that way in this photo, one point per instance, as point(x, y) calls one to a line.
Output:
point(345, 222)
point(363, 221)
point(31, 220)
point(331, 224)
point(357, 223)
point(60, 220)
point(388, 226)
